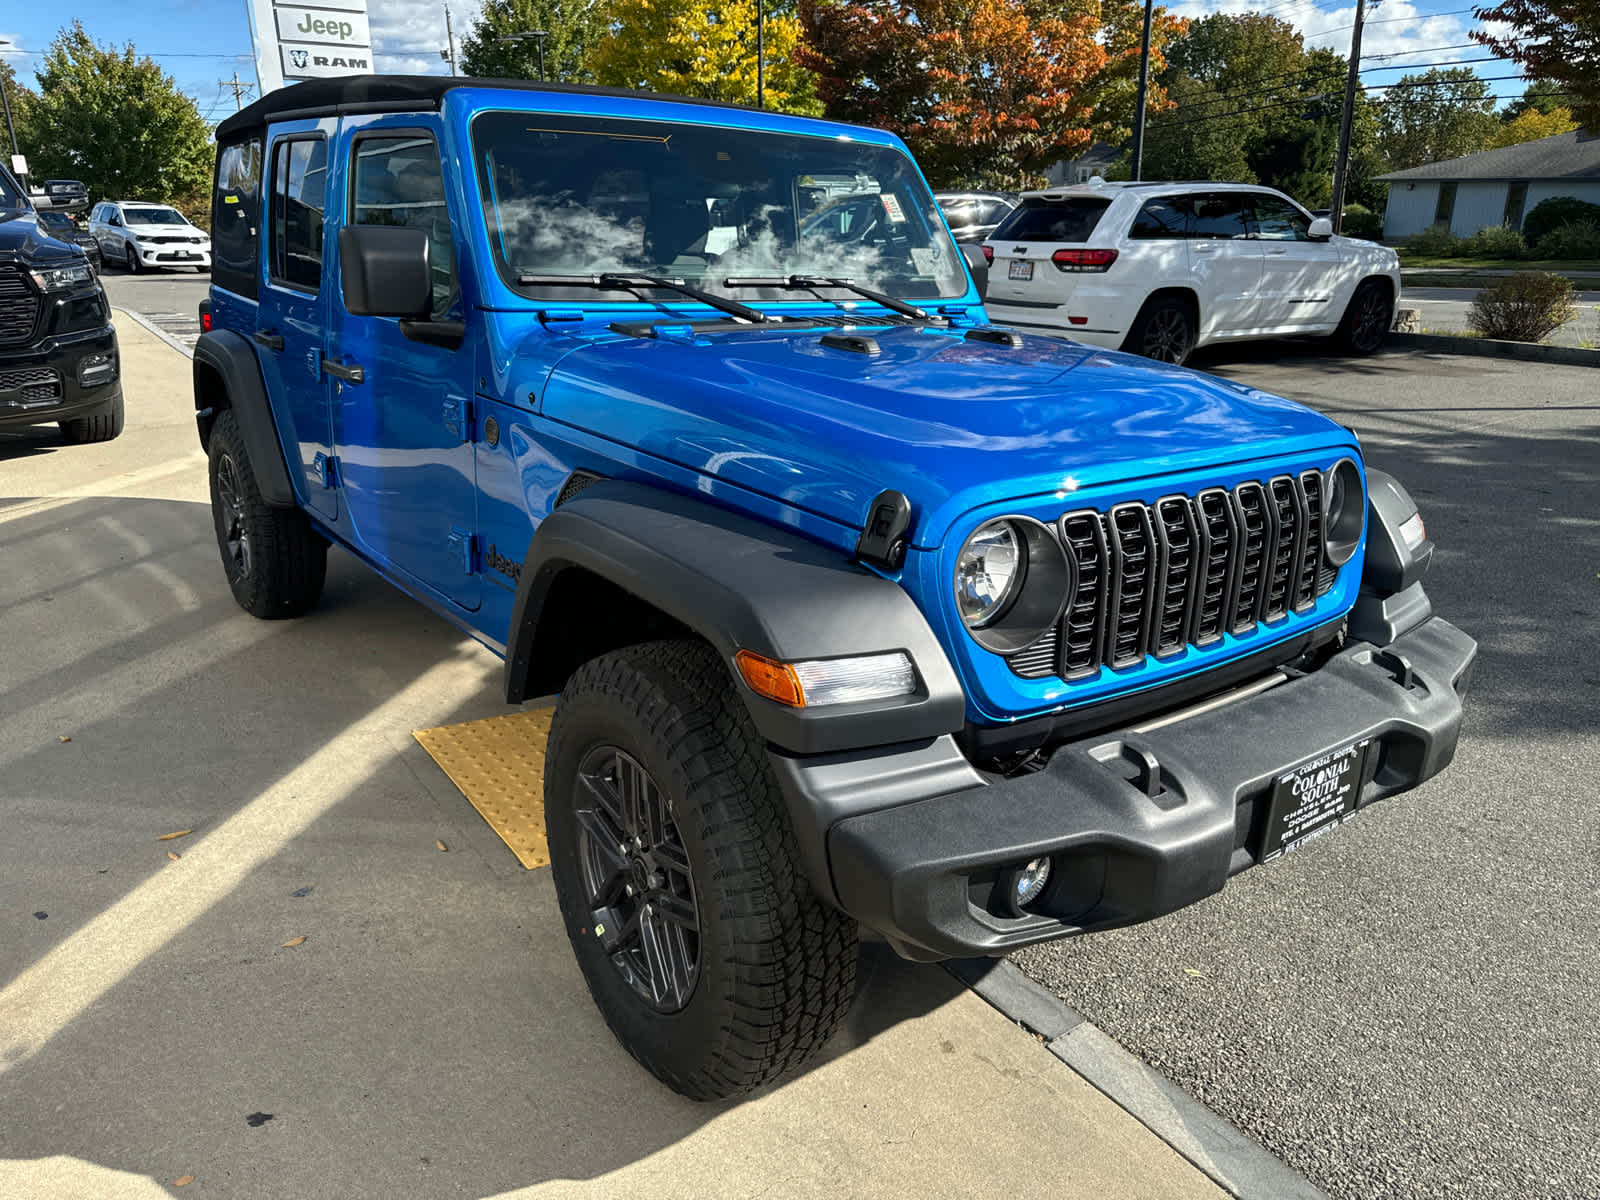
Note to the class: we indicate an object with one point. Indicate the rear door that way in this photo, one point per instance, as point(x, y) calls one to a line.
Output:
point(405, 433)
point(1300, 278)
point(1224, 262)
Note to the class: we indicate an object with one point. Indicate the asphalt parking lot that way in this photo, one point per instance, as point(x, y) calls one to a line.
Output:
point(1406, 1009)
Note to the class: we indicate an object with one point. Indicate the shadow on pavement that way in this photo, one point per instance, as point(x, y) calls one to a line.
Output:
point(430, 1036)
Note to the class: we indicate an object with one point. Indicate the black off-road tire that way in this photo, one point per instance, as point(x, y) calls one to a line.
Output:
point(1165, 329)
point(1367, 318)
point(98, 425)
point(775, 967)
point(275, 561)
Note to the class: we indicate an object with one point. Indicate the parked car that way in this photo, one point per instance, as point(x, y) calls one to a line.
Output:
point(64, 229)
point(58, 350)
point(858, 609)
point(972, 216)
point(1162, 268)
point(61, 195)
point(145, 237)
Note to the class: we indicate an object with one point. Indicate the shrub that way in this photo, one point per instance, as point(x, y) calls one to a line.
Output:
point(1495, 241)
point(1558, 210)
point(1575, 239)
point(1436, 241)
point(1361, 222)
point(1525, 307)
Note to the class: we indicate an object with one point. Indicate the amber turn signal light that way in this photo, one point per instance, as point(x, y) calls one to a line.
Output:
point(774, 680)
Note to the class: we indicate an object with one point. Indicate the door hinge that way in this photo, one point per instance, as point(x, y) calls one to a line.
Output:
point(464, 547)
point(458, 419)
point(326, 469)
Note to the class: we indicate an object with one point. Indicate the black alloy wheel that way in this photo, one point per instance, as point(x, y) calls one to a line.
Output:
point(1165, 332)
point(231, 519)
point(1368, 318)
point(637, 877)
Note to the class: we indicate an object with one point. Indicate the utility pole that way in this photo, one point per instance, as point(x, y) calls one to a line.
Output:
point(761, 54)
point(450, 37)
point(1341, 165)
point(239, 89)
point(1144, 86)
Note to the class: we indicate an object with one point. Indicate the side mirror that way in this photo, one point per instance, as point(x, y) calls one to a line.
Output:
point(1321, 229)
point(383, 270)
point(978, 264)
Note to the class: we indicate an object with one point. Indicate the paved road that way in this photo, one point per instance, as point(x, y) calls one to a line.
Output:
point(170, 299)
point(1444, 310)
point(1407, 1009)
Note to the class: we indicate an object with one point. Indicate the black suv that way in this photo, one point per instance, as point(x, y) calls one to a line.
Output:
point(58, 351)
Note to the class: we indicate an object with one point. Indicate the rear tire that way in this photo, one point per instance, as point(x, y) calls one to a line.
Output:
point(657, 782)
point(1367, 319)
point(275, 561)
point(1165, 330)
point(99, 425)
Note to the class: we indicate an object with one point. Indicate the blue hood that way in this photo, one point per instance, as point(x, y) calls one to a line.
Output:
point(951, 423)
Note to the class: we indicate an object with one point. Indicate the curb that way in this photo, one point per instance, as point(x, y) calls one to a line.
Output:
point(1212, 1144)
point(161, 333)
point(1574, 356)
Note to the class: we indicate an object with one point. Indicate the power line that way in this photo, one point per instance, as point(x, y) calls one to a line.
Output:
point(1418, 17)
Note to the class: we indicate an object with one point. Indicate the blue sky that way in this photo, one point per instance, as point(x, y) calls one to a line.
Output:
point(200, 42)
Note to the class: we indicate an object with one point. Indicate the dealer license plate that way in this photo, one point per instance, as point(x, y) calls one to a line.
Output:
point(1313, 799)
point(1020, 269)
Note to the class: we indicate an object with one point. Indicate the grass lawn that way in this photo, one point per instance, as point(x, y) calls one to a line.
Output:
point(1571, 266)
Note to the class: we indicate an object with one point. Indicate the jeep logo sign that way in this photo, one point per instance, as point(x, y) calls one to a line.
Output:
point(294, 41)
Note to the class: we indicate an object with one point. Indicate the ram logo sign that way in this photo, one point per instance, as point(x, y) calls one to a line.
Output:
point(294, 42)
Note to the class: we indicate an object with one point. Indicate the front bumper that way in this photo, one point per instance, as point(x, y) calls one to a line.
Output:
point(173, 256)
point(41, 383)
point(1137, 824)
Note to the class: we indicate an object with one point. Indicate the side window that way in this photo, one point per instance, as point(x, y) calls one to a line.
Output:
point(1279, 221)
point(992, 211)
point(396, 180)
point(1444, 211)
point(1220, 215)
point(1164, 219)
point(961, 213)
point(236, 217)
point(299, 196)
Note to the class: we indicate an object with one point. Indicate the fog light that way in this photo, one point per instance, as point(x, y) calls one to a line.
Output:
point(1028, 883)
point(95, 369)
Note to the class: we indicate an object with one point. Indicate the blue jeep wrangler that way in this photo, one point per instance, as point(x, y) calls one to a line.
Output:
point(860, 610)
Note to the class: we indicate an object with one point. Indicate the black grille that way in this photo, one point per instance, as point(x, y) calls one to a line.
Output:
point(1154, 579)
point(19, 307)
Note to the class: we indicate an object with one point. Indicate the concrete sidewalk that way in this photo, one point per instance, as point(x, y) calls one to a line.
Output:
point(431, 1035)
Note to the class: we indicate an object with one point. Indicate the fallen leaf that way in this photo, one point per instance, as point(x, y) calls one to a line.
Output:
point(440, 844)
point(65, 738)
point(167, 837)
point(295, 941)
point(1192, 971)
point(174, 855)
point(183, 1181)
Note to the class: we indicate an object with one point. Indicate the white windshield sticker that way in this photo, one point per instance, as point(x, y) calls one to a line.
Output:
point(891, 205)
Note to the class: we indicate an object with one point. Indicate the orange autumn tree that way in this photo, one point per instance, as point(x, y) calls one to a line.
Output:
point(983, 91)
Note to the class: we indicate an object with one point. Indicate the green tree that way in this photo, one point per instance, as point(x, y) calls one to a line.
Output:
point(119, 123)
point(1557, 41)
point(1542, 95)
point(572, 29)
point(1442, 114)
point(20, 99)
point(684, 47)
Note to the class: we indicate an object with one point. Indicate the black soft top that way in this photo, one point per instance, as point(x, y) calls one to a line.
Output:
point(400, 93)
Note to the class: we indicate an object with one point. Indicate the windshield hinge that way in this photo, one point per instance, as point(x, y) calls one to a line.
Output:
point(883, 540)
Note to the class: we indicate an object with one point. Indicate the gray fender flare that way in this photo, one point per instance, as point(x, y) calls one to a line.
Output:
point(243, 390)
point(1391, 600)
point(740, 584)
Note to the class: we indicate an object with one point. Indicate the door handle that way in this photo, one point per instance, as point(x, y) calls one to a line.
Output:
point(350, 373)
point(264, 337)
point(1277, 252)
point(1202, 249)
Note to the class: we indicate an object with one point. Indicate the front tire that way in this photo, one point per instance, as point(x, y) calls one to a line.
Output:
point(1165, 330)
point(130, 258)
point(99, 425)
point(1367, 319)
point(699, 937)
point(275, 561)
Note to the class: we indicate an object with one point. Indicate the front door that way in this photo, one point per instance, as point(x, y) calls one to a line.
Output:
point(405, 432)
point(1299, 277)
point(1225, 262)
point(292, 307)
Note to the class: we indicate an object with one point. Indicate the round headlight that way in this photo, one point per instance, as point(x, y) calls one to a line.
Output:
point(989, 573)
point(1345, 512)
point(1013, 578)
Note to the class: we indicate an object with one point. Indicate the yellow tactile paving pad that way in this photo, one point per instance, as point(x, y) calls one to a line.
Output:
point(498, 764)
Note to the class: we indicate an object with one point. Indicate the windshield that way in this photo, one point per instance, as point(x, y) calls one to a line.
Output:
point(153, 216)
point(589, 195)
point(10, 194)
point(57, 223)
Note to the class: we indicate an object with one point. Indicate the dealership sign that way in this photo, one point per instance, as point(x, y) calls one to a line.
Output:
point(296, 40)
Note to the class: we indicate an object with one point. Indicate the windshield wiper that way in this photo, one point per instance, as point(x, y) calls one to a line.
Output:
point(619, 282)
point(811, 283)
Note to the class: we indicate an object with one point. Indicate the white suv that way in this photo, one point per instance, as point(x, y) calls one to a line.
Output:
point(144, 236)
point(1160, 268)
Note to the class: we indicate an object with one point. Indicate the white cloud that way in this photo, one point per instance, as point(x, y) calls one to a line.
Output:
point(407, 35)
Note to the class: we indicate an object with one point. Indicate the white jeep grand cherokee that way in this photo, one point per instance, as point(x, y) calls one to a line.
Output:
point(1161, 268)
